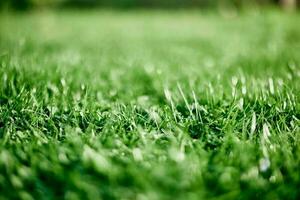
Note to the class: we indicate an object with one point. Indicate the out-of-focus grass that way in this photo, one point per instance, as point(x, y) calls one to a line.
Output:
point(149, 105)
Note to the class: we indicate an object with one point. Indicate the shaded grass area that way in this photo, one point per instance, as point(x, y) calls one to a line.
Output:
point(149, 105)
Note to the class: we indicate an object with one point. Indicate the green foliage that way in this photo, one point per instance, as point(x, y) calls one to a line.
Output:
point(149, 105)
point(26, 4)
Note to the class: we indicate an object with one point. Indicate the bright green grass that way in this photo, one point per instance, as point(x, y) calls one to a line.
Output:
point(149, 105)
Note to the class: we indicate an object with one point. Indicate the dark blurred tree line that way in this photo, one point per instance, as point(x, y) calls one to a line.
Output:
point(28, 4)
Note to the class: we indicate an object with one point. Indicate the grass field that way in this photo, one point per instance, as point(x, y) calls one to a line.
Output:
point(149, 105)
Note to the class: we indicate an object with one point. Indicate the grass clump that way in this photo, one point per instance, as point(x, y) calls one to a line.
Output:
point(149, 105)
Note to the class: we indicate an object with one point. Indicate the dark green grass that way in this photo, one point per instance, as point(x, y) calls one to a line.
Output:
point(149, 105)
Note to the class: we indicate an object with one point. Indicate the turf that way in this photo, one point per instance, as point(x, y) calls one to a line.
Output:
point(149, 105)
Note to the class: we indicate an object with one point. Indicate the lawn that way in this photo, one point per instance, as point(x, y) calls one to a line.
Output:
point(149, 105)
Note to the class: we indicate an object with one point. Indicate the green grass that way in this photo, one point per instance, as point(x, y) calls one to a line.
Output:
point(149, 105)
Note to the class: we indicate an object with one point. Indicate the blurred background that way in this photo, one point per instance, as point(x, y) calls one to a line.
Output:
point(145, 4)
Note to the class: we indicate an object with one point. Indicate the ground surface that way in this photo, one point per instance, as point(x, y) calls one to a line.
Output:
point(149, 105)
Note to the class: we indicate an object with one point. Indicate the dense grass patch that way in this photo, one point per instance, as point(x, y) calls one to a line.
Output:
point(149, 105)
